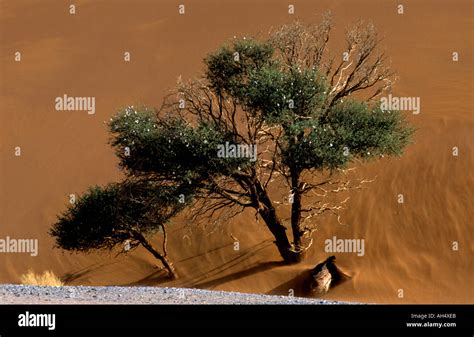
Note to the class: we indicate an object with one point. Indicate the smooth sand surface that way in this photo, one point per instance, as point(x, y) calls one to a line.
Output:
point(407, 246)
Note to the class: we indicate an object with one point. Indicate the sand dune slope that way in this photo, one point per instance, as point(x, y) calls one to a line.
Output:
point(408, 246)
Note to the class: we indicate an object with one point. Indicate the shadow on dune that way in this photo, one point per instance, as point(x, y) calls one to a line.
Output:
point(158, 277)
point(205, 253)
point(260, 267)
point(298, 285)
point(83, 275)
point(241, 258)
point(76, 275)
point(210, 278)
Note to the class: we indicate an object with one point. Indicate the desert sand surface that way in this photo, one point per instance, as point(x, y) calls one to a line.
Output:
point(408, 246)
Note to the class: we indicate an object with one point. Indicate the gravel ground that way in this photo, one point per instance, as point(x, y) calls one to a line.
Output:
point(21, 294)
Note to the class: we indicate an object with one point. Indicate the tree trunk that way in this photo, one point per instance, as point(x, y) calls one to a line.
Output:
point(278, 231)
point(296, 218)
point(166, 263)
point(273, 223)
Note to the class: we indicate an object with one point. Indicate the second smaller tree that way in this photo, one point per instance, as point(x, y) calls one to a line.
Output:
point(123, 214)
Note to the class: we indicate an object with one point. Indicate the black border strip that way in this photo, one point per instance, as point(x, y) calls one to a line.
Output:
point(239, 320)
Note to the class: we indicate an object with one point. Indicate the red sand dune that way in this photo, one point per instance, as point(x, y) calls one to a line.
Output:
point(408, 246)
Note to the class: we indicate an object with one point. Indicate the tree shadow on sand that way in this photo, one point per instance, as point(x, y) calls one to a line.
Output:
point(82, 273)
point(207, 252)
point(207, 279)
point(159, 276)
point(202, 280)
point(214, 272)
point(153, 279)
point(258, 268)
point(297, 286)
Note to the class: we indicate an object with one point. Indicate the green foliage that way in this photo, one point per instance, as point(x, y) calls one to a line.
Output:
point(171, 149)
point(107, 216)
point(165, 157)
point(369, 131)
point(277, 96)
point(262, 85)
point(316, 135)
point(228, 69)
point(351, 130)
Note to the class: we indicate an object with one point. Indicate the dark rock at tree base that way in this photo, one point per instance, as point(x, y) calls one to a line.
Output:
point(325, 276)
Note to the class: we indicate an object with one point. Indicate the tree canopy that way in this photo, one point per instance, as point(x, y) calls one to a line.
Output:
point(284, 97)
point(120, 214)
